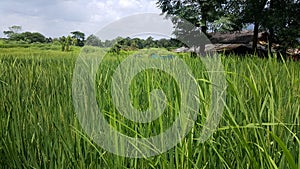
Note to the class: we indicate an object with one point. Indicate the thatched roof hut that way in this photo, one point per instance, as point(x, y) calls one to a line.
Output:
point(240, 37)
point(239, 43)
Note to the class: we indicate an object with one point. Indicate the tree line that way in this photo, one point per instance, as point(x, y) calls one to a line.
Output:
point(15, 34)
point(77, 38)
point(133, 43)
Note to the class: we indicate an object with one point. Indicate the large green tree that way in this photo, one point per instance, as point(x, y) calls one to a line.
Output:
point(199, 13)
point(279, 18)
point(30, 37)
point(282, 20)
point(251, 12)
point(80, 36)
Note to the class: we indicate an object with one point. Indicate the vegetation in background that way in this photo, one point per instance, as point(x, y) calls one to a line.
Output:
point(77, 38)
point(134, 43)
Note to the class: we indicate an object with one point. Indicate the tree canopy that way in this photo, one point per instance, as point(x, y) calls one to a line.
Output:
point(30, 37)
point(279, 18)
point(93, 40)
point(80, 37)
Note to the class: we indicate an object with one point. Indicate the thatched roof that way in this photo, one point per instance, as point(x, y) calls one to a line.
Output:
point(222, 47)
point(241, 37)
point(236, 42)
point(238, 49)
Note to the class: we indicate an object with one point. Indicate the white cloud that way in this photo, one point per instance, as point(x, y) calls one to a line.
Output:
point(59, 17)
point(129, 3)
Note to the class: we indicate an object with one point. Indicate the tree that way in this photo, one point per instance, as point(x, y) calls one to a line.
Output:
point(93, 40)
point(34, 37)
point(253, 12)
point(221, 15)
point(283, 22)
point(62, 41)
point(66, 43)
point(197, 12)
point(115, 49)
point(138, 42)
point(149, 43)
point(279, 18)
point(80, 36)
point(28, 37)
point(13, 30)
point(8, 33)
point(49, 40)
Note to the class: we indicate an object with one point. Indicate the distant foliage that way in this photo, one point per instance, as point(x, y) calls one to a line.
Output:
point(128, 44)
point(93, 40)
point(29, 37)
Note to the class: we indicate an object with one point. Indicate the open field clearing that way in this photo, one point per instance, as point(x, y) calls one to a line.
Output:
point(260, 126)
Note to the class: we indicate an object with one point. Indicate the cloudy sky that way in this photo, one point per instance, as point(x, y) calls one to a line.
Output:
point(55, 18)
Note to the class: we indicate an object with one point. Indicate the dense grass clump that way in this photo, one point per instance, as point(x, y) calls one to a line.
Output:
point(260, 127)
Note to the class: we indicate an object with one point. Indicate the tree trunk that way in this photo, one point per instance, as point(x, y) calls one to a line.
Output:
point(257, 21)
point(270, 41)
point(202, 41)
point(255, 36)
point(271, 30)
point(204, 31)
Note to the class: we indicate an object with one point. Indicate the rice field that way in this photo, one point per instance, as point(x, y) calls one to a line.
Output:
point(39, 128)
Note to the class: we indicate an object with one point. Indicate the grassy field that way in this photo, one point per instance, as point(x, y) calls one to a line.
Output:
point(260, 127)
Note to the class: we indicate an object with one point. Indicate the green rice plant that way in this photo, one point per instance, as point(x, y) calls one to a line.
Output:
point(260, 127)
